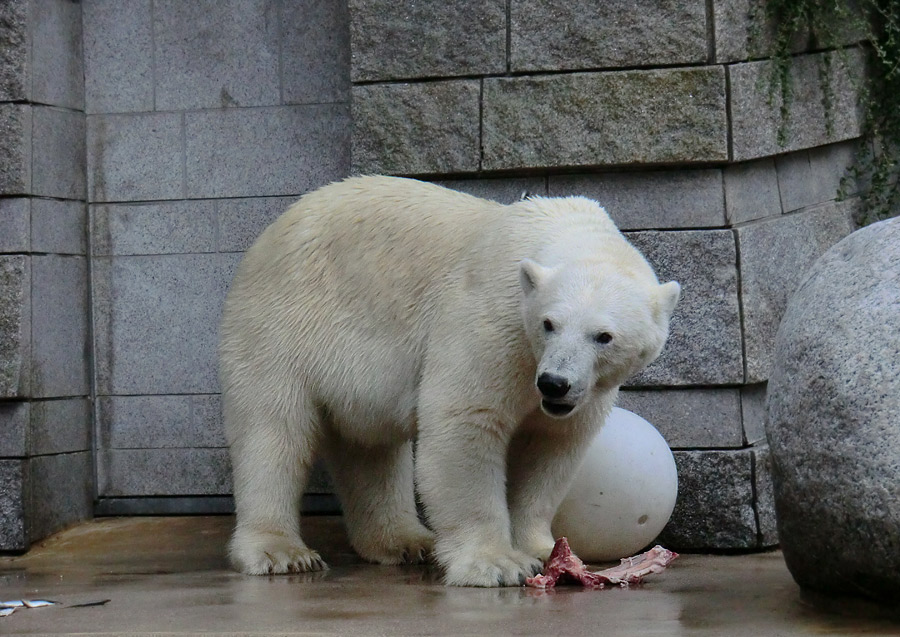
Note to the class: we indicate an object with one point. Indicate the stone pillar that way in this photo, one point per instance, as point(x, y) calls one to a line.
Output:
point(656, 110)
point(46, 465)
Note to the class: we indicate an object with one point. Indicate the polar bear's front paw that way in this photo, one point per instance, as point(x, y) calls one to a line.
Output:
point(541, 551)
point(536, 544)
point(409, 546)
point(259, 553)
point(501, 568)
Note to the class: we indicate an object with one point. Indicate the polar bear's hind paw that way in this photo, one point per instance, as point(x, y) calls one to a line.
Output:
point(413, 546)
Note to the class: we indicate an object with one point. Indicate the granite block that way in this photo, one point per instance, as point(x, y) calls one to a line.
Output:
point(60, 426)
point(118, 56)
point(751, 191)
point(13, 504)
point(15, 149)
point(241, 221)
point(704, 345)
point(807, 178)
point(315, 52)
point(656, 199)
point(62, 492)
point(15, 326)
point(416, 128)
point(135, 157)
point(58, 168)
point(765, 496)
point(733, 24)
point(753, 412)
point(15, 225)
point(14, 419)
point(59, 326)
point(503, 190)
point(301, 148)
point(156, 320)
point(584, 119)
point(169, 227)
point(830, 165)
point(57, 72)
point(164, 472)
point(584, 34)
point(409, 39)
point(742, 31)
point(796, 181)
point(714, 509)
point(756, 119)
point(690, 418)
point(775, 254)
point(58, 226)
point(15, 67)
point(153, 422)
point(215, 53)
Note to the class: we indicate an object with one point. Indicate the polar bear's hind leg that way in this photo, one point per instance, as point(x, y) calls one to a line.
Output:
point(375, 486)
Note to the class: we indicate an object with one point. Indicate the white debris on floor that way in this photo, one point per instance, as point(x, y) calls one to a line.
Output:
point(8, 608)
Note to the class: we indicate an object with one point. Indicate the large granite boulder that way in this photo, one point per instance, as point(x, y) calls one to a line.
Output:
point(834, 419)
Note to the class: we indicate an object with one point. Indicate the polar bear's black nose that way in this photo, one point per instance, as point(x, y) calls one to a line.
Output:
point(553, 386)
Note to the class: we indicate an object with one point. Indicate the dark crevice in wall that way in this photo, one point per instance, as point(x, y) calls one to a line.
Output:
point(740, 299)
point(728, 115)
point(541, 73)
point(710, 32)
point(480, 125)
point(508, 36)
point(754, 498)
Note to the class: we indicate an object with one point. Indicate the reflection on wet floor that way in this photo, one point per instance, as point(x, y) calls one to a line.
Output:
point(170, 575)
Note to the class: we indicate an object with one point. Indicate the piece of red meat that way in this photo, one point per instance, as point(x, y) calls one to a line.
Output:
point(564, 567)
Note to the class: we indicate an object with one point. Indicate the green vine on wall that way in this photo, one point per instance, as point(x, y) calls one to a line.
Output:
point(876, 23)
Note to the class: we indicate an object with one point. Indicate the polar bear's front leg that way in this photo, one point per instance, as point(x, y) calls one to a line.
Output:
point(460, 467)
point(544, 457)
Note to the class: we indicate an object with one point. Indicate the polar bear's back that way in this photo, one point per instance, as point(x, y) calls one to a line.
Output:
point(339, 291)
point(377, 241)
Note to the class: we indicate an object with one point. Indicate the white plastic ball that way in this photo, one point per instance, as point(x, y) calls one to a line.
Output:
point(623, 494)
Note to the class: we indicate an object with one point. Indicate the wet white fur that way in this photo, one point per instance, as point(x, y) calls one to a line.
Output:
point(377, 311)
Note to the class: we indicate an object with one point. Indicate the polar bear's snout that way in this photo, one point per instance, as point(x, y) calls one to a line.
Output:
point(552, 386)
point(555, 398)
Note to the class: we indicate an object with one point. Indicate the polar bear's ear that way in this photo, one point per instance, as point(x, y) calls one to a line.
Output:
point(531, 273)
point(667, 296)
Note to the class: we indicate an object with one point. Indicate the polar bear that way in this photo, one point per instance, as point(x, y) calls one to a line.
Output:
point(379, 311)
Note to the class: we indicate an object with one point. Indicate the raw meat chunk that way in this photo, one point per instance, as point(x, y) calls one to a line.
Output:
point(564, 567)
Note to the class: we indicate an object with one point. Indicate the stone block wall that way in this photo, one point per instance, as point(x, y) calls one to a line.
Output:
point(144, 144)
point(46, 466)
point(659, 111)
point(205, 120)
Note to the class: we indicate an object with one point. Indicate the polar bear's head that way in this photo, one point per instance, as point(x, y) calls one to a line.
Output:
point(591, 325)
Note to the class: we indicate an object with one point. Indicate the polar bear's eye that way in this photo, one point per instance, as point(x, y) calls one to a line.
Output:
point(548, 325)
point(603, 337)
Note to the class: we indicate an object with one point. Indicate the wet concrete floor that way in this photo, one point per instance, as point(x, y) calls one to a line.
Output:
point(169, 575)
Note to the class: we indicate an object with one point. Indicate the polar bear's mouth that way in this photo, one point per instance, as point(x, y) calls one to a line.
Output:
point(556, 409)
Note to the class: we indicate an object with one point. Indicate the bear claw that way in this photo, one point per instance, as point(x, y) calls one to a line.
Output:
point(266, 554)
